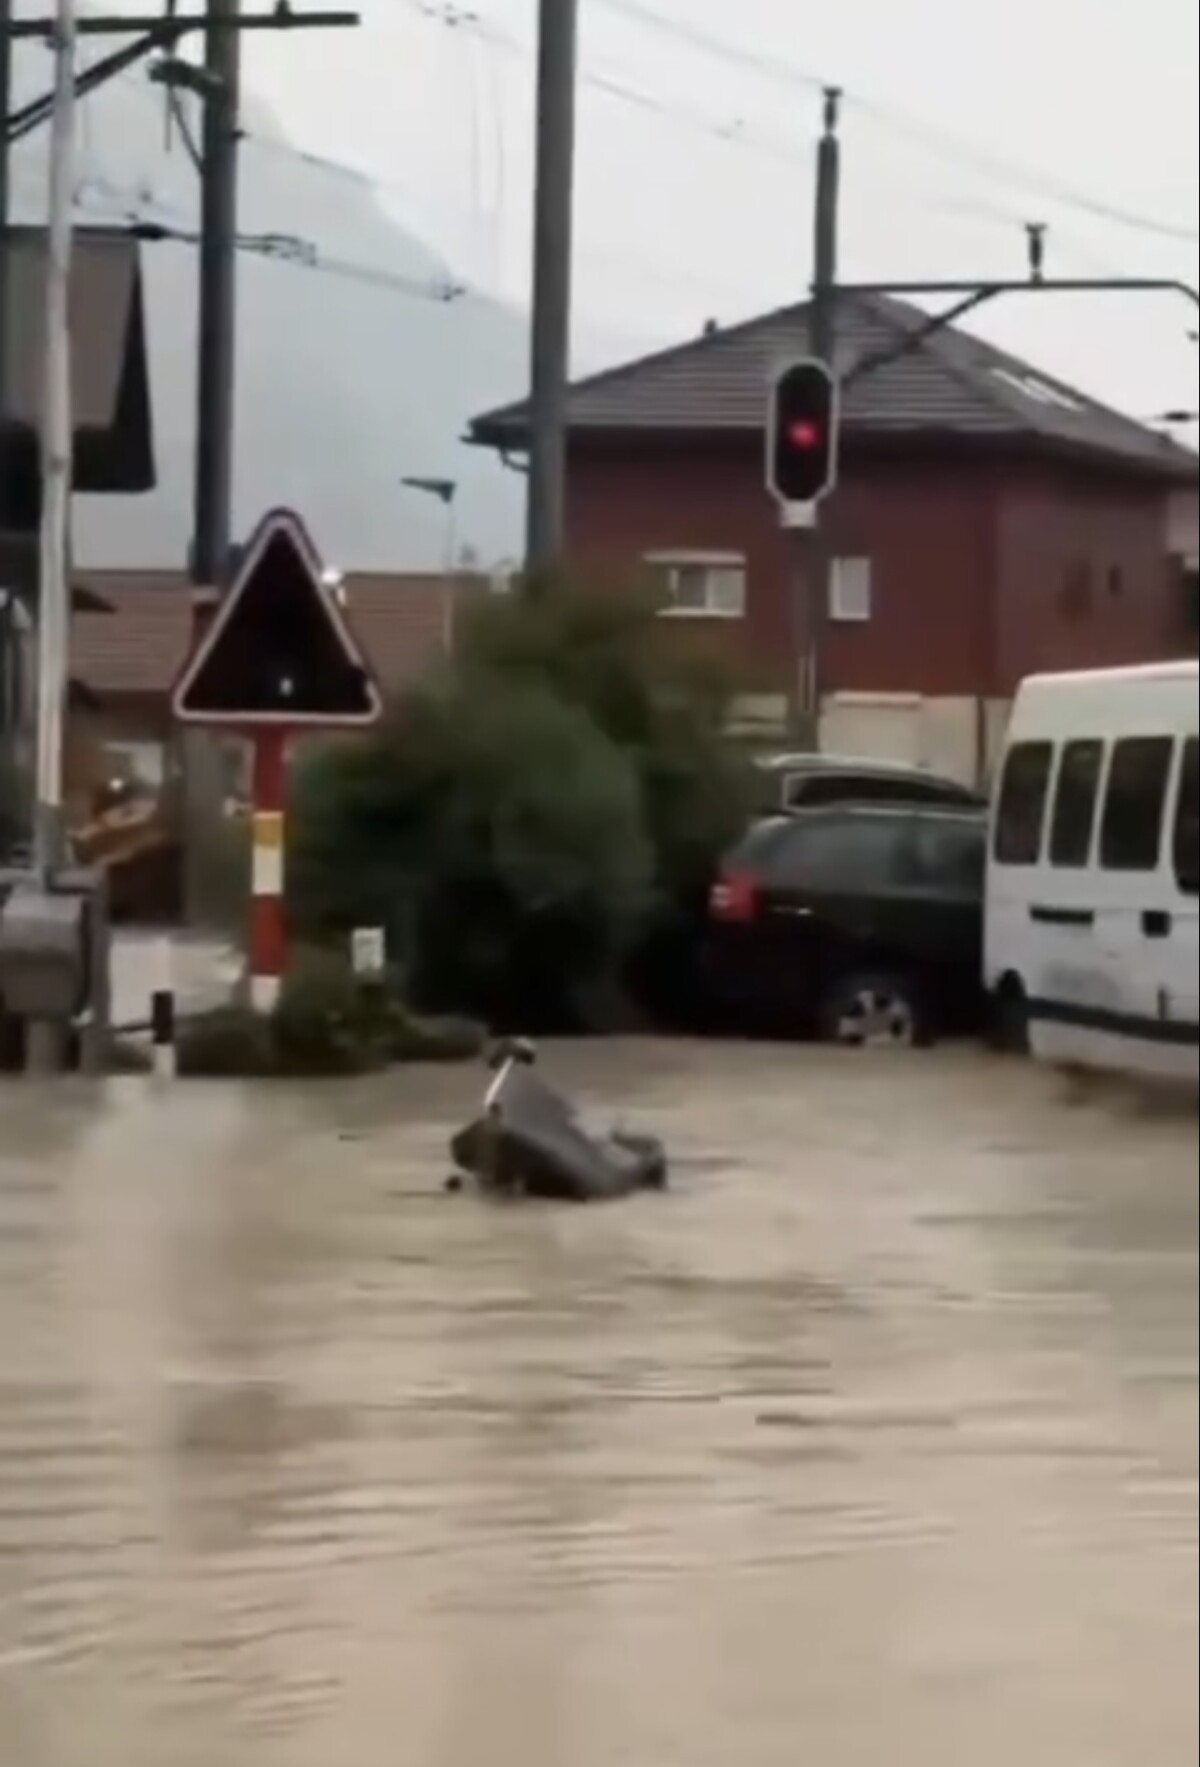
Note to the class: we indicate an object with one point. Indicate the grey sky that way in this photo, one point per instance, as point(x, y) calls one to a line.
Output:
point(694, 174)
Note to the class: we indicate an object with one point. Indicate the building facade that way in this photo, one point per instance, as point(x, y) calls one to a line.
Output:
point(987, 523)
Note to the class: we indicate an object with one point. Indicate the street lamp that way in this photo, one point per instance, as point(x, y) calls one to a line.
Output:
point(445, 491)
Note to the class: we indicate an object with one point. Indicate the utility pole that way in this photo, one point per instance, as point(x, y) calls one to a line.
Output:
point(216, 362)
point(813, 562)
point(550, 341)
point(216, 381)
point(44, 1050)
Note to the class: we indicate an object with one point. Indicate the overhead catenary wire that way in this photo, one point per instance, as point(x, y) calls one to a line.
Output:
point(735, 133)
point(997, 166)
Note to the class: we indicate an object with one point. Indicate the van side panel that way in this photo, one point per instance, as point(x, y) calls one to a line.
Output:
point(1102, 944)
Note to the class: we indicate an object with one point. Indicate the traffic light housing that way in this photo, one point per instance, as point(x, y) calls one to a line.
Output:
point(802, 433)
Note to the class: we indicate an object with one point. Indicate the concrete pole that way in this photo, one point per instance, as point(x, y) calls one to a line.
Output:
point(550, 340)
point(45, 1041)
point(216, 386)
point(812, 546)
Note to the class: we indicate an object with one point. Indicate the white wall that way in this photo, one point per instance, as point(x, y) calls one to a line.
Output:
point(955, 735)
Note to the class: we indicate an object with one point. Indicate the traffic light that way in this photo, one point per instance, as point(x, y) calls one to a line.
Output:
point(802, 433)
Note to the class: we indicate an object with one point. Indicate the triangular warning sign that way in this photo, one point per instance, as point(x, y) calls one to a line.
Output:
point(278, 651)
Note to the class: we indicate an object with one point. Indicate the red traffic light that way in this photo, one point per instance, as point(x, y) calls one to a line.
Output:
point(802, 434)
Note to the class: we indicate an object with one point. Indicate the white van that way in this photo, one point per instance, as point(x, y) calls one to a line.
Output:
point(1090, 939)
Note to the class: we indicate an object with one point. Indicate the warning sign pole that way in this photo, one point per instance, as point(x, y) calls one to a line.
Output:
point(267, 951)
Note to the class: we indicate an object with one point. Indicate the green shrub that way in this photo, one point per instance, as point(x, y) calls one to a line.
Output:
point(229, 1043)
point(494, 832)
point(539, 821)
point(328, 1024)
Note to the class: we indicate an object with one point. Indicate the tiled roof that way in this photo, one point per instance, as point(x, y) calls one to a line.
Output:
point(950, 384)
point(139, 647)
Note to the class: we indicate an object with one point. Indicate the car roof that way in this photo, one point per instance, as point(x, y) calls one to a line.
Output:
point(860, 810)
point(822, 763)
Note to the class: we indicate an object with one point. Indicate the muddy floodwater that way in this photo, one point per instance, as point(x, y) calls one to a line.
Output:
point(873, 1444)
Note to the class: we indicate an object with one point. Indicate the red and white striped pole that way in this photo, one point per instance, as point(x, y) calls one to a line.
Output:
point(268, 927)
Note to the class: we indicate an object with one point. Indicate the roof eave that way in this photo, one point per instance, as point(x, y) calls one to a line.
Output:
point(508, 432)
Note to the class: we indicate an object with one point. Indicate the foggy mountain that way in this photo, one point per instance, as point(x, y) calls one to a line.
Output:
point(354, 370)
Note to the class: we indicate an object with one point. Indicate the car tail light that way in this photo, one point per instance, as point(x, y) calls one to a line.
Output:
point(735, 898)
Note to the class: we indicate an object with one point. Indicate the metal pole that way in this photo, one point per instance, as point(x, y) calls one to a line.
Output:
point(813, 563)
point(44, 1051)
point(6, 42)
point(216, 369)
point(450, 577)
point(8, 638)
point(216, 351)
point(550, 340)
point(56, 444)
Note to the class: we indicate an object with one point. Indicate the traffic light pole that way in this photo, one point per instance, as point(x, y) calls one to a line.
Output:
point(811, 557)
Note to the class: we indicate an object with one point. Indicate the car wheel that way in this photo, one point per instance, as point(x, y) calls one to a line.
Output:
point(1010, 1018)
point(873, 1008)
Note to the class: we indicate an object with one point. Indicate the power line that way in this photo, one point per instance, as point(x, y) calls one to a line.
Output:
point(128, 208)
point(732, 132)
point(942, 141)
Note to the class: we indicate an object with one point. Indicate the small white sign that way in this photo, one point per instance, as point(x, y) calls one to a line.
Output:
point(368, 950)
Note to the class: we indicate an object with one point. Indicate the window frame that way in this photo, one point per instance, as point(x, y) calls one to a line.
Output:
point(1185, 788)
point(666, 561)
point(997, 855)
point(840, 612)
point(1104, 862)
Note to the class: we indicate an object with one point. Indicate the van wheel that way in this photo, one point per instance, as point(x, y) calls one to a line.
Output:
point(869, 1008)
point(1010, 1018)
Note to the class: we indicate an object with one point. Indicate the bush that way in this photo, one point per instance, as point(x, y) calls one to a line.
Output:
point(328, 1024)
point(229, 1043)
point(494, 833)
point(604, 649)
point(537, 825)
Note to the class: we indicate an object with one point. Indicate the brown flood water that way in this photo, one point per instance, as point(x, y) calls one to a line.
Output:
point(875, 1442)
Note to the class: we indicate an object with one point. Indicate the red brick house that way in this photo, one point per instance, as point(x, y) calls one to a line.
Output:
point(989, 521)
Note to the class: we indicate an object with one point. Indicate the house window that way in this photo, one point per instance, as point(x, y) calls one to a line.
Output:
point(850, 590)
point(701, 585)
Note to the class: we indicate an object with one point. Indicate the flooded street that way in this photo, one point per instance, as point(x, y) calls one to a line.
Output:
point(873, 1442)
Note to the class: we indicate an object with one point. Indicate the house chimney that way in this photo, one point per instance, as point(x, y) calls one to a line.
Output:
point(711, 328)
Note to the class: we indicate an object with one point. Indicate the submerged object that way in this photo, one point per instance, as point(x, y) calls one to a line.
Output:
point(528, 1140)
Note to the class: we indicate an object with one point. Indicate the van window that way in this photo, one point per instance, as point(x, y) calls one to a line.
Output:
point(1075, 803)
point(1022, 803)
point(1131, 830)
point(1187, 820)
